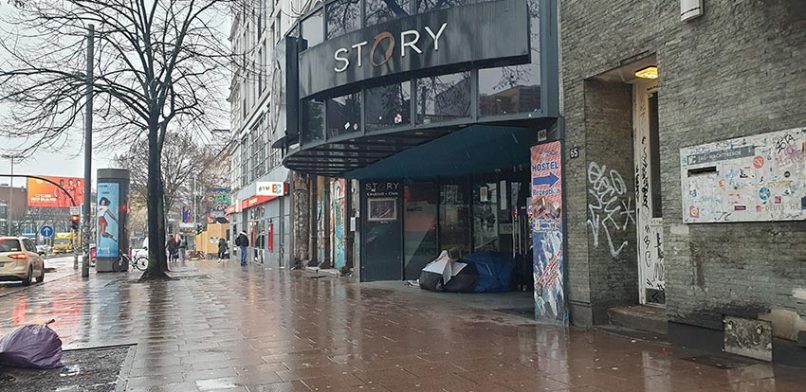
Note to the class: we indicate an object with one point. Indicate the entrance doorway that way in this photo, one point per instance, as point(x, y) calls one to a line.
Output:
point(649, 212)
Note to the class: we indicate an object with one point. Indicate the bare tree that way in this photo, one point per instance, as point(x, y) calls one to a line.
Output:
point(183, 158)
point(160, 66)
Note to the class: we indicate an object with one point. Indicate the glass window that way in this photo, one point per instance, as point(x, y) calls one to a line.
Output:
point(430, 5)
point(379, 11)
point(313, 121)
point(10, 245)
point(343, 16)
point(516, 88)
point(443, 98)
point(313, 29)
point(388, 106)
point(485, 216)
point(344, 114)
point(420, 227)
point(454, 217)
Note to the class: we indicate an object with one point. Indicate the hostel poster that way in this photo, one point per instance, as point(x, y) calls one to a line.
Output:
point(546, 217)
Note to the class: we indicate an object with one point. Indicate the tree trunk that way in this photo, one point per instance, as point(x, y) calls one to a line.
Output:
point(157, 259)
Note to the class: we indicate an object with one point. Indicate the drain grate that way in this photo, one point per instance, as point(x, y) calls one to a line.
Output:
point(721, 362)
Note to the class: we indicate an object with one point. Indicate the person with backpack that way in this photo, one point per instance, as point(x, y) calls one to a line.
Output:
point(242, 241)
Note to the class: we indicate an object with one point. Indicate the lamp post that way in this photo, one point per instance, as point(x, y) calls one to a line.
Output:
point(10, 208)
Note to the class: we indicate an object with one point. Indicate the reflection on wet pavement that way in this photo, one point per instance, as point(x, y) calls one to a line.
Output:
point(222, 327)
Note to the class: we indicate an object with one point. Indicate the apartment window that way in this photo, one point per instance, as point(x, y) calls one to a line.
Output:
point(245, 172)
point(258, 150)
point(260, 70)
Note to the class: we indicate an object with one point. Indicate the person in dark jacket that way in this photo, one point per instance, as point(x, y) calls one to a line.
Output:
point(222, 248)
point(242, 242)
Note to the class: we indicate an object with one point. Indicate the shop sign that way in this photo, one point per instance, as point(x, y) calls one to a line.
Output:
point(479, 34)
point(271, 188)
point(230, 210)
point(256, 200)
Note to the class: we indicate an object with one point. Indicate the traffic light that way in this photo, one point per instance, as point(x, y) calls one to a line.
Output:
point(74, 221)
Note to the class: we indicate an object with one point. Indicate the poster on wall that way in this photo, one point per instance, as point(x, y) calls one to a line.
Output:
point(546, 214)
point(337, 217)
point(108, 208)
point(42, 194)
point(218, 200)
point(750, 179)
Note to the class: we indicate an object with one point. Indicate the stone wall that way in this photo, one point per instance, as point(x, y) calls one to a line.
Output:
point(738, 70)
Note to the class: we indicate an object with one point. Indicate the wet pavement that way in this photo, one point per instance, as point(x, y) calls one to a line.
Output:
point(224, 327)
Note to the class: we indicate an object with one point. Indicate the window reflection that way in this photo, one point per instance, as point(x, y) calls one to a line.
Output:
point(343, 16)
point(313, 29)
point(313, 121)
point(344, 115)
point(388, 106)
point(430, 5)
point(516, 88)
point(443, 98)
point(379, 11)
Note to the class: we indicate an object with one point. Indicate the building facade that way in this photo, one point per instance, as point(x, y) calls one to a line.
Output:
point(408, 127)
point(685, 191)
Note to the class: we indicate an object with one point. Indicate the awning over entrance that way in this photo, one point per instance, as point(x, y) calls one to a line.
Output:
point(422, 153)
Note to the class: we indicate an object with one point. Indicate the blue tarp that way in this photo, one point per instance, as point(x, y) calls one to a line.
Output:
point(494, 269)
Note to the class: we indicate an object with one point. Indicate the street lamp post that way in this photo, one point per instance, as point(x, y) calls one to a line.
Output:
point(10, 208)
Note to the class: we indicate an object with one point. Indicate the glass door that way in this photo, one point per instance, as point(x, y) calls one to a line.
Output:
point(485, 216)
point(454, 217)
point(419, 227)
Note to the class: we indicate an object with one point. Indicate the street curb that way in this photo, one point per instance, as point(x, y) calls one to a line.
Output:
point(125, 369)
point(328, 271)
point(23, 288)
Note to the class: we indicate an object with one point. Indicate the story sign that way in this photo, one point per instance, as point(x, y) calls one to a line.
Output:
point(489, 32)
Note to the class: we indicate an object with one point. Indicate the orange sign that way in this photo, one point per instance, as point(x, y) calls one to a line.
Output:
point(42, 194)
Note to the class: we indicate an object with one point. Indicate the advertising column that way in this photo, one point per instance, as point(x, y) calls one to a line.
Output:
point(111, 236)
point(546, 217)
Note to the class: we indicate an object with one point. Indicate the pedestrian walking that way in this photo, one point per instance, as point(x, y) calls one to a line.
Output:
point(183, 248)
point(222, 248)
point(242, 242)
point(173, 248)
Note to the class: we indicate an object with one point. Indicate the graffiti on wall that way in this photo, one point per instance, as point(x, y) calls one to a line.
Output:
point(610, 208)
point(748, 179)
point(545, 213)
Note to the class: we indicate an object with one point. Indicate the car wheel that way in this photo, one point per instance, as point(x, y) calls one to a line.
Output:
point(41, 278)
point(27, 280)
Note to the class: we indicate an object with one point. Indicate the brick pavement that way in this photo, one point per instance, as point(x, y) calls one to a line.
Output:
point(222, 327)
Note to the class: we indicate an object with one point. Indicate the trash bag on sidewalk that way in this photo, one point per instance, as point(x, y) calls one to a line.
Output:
point(33, 346)
point(447, 274)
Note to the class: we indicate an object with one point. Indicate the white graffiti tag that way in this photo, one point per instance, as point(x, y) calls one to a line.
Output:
point(610, 210)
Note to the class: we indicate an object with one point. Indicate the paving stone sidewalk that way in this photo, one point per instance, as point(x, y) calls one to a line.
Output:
point(230, 328)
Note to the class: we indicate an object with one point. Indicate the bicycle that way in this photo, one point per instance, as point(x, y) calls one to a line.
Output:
point(122, 265)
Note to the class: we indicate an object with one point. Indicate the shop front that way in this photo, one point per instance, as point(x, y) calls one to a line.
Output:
point(265, 217)
point(420, 117)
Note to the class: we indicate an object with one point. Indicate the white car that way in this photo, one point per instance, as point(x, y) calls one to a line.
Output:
point(19, 260)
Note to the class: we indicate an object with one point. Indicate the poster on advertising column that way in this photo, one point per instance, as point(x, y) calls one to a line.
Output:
point(107, 226)
point(546, 218)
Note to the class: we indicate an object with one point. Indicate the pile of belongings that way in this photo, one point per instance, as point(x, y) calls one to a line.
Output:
point(482, 272)
point(33, 346)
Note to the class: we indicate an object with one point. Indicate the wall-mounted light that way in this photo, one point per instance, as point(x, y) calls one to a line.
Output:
point(650, 72)
point(690, 9)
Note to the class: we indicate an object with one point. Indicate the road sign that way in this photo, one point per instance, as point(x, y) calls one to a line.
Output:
point(46, 231)
point(75, 210)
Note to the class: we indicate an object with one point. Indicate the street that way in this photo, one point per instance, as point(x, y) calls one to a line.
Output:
point(224, 327)
point(56, 266)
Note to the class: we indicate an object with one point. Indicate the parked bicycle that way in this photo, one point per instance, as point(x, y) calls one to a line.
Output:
point(125, 262)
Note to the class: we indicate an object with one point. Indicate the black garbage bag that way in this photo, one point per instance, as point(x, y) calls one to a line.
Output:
point(464, 281)
point(446, 274)
point(33, 346)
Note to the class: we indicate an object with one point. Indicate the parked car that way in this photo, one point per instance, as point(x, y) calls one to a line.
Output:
point(19, 260)
point(43, 249)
